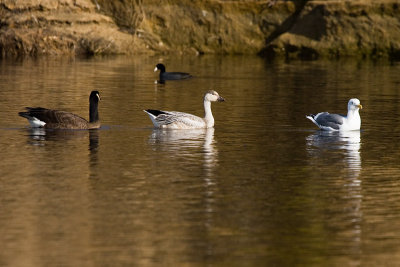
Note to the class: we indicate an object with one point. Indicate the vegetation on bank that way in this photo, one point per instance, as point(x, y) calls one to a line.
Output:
point(291, 29)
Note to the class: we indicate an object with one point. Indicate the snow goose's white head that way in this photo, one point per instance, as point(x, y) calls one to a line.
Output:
point(213, 96)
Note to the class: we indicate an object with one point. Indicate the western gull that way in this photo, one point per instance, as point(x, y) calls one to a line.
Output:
point(337, 122)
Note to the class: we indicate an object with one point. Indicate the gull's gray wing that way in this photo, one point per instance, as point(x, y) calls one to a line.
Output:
point(326, 119)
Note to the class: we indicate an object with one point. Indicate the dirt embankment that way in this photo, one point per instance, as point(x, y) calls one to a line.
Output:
point(54, 27)
point(292, 29)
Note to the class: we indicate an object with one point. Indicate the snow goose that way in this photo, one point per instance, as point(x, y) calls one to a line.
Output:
point(56, 119)
point(181, 120)
point(337, 122)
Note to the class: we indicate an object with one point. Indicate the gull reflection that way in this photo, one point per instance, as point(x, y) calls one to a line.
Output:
point(349, 142)
point(337, 157)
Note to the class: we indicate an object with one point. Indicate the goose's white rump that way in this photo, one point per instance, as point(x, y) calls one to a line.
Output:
point(337, 122)
point(181, 120)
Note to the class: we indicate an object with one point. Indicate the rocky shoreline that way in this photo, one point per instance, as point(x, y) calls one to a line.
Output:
point(286, 29)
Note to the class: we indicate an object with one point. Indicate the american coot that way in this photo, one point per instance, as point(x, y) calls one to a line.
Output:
point(171, 75)
point(180, 120)
point(56, 119)
point(337, 122)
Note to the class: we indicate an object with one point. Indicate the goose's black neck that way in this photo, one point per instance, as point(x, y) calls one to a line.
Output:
point(93, 112)
point(93, 107)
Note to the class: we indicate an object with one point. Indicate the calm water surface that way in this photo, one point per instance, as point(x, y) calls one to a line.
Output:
point(264, 188)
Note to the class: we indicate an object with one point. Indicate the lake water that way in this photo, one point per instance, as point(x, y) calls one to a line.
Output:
point(264, 188)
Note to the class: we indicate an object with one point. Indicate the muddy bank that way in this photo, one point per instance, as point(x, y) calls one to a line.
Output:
point(363, 29)
point(291, 29)
point(51, 27)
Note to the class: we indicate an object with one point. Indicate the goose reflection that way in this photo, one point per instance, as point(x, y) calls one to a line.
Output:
point(185, 141)
point(39, 136)
point(162, 82)
point(187, 144)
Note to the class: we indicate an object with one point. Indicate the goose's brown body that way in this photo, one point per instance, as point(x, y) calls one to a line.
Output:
point(57, 119)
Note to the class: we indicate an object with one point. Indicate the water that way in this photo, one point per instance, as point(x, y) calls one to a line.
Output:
point(264, 188)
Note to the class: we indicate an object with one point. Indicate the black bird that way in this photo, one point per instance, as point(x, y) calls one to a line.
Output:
point(57, 119)
point(171, 75)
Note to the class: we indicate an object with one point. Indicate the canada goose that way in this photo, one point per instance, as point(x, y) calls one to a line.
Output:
point(180, 120)
point(337, 122)
point(170, 75)
point(56, 119)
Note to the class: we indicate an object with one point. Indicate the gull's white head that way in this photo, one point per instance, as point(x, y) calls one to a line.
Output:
point(354, 104)
point(213, 96)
